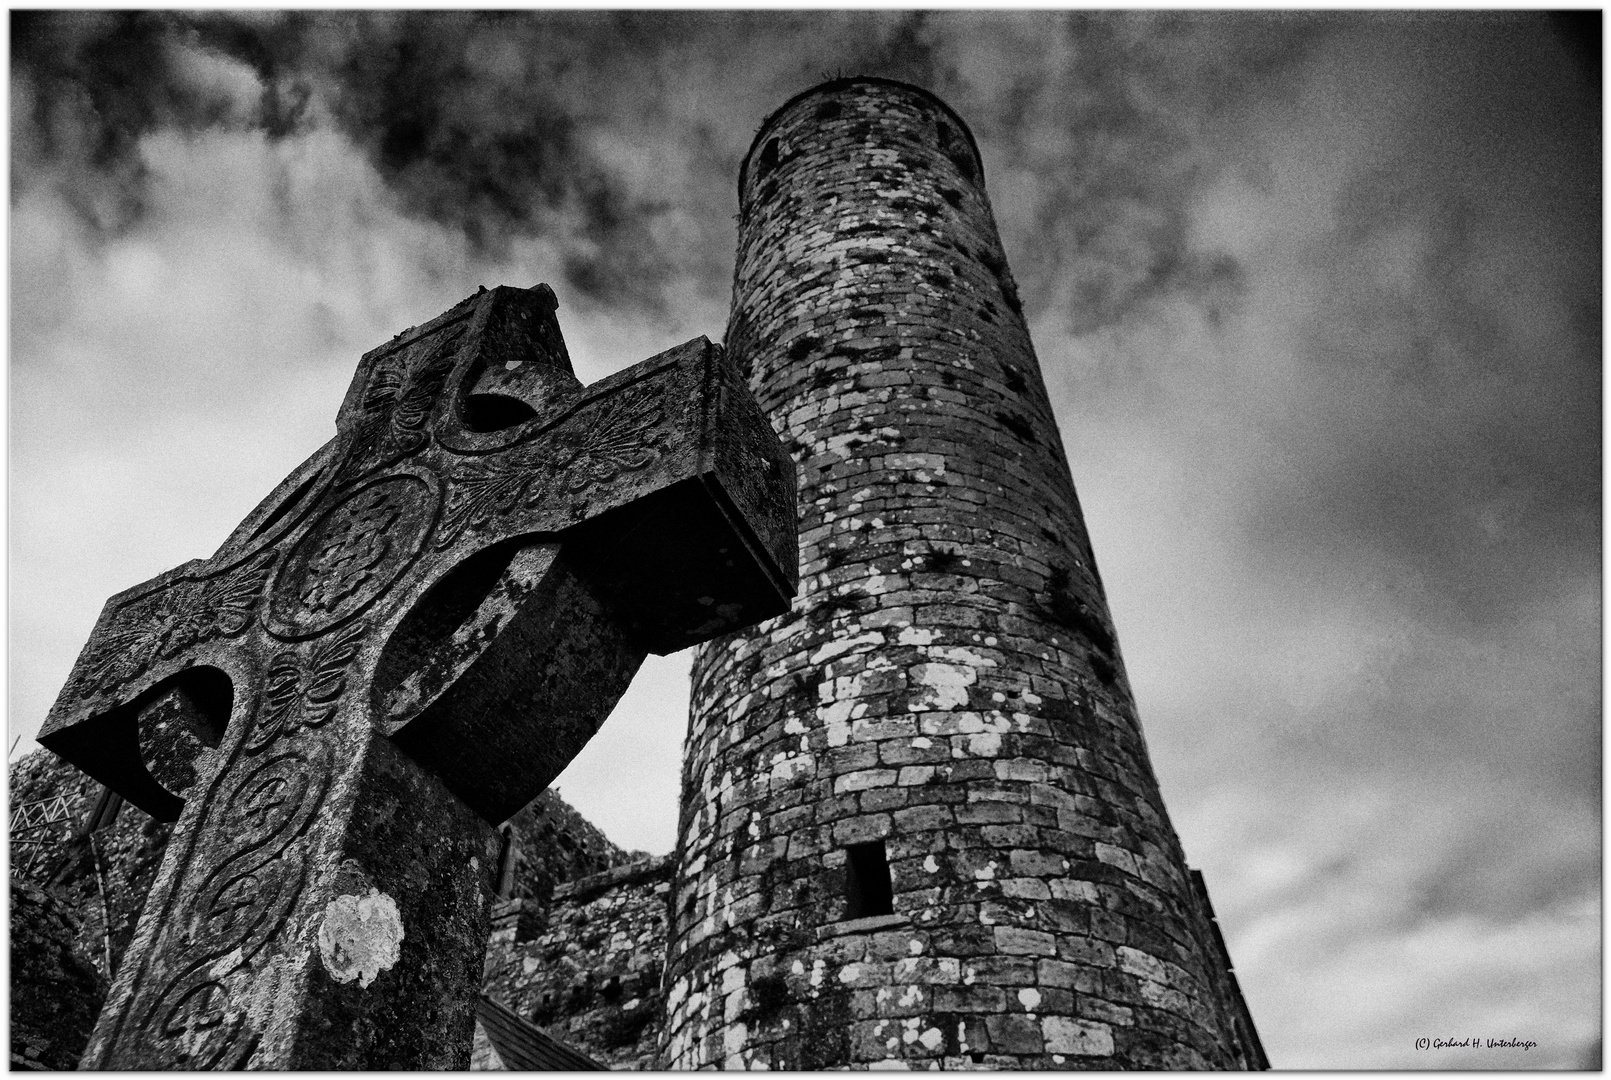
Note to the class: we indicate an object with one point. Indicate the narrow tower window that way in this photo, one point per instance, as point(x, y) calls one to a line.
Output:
point(769, 156)
point(508, 859)
point(867, 885)
point(955, 147)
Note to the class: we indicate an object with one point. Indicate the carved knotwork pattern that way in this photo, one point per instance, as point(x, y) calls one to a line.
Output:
point(594, 448)
point(240, 905)
point(356, 548)
point(197, 1026)
point(272, 792)
point(398, 399)
point(352, 547)
point(163, 624)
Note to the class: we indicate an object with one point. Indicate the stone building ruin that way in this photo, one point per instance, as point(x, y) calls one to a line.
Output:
point(918, 825)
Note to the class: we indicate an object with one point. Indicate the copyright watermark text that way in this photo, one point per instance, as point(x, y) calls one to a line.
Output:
point(1475, 1043)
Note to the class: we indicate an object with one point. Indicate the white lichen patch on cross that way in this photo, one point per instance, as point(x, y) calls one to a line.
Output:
point(360, 936)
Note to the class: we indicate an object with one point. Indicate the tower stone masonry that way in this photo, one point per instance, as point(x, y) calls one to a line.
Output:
point(919, 823)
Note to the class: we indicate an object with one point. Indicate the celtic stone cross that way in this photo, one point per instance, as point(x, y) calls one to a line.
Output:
point(399, 648)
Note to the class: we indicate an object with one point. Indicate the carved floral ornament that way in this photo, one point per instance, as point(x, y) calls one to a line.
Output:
point(618, 437)
point(397, 400)
point(294, 694)
point(162, 624)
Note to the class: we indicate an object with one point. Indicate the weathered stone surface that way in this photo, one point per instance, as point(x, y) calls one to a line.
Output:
point(588, 969)
point(948, 682)
point(56, 991)
point(551, 844)
point(399, 648)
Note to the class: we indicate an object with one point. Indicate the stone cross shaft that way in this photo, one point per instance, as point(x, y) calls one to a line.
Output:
point(400, 647)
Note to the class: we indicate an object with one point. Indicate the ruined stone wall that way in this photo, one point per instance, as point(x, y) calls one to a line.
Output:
point(56, 992)
point(554, 844)
point(947, 694)
point(587, 967)
point(101, 877)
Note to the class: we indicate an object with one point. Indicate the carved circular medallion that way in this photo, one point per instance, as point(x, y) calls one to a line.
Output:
point(198, 1029)
point(351, 555)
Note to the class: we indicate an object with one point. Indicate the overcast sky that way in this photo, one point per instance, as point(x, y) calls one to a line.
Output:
point(1317, 296)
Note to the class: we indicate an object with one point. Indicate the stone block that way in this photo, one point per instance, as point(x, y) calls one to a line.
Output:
point(1038, 864)
point(1016, 940)
point(980, 813)
point(1055, 1001)
point(809, 842)
point(969, 998)
point(1025, 888)
point(1108, 927)
point(1007, 837)
point(963, 941)
point(923, 818)
point(1014, 1033)
point(881, 799)
point(1097, 1008)
point(870, 1040)
point(863, 779)
point(1086, 950)
point(1083, 1038)
point(1000, 970)
point(963, 770)
point(917, 751)
point(847, 759)
point(914, 775)
point(859, 830)
point(830, 810)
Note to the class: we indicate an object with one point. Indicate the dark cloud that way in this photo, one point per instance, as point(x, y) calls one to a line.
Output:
point(83, 90)
point(907, 50)
point(463, 114)
point(1581, 34)
point(487, 122)
point(481, 119)
point(1108, 113)
point(1472, 881)
point(475, 120)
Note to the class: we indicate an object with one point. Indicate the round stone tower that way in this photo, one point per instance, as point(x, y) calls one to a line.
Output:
point(918, 819)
